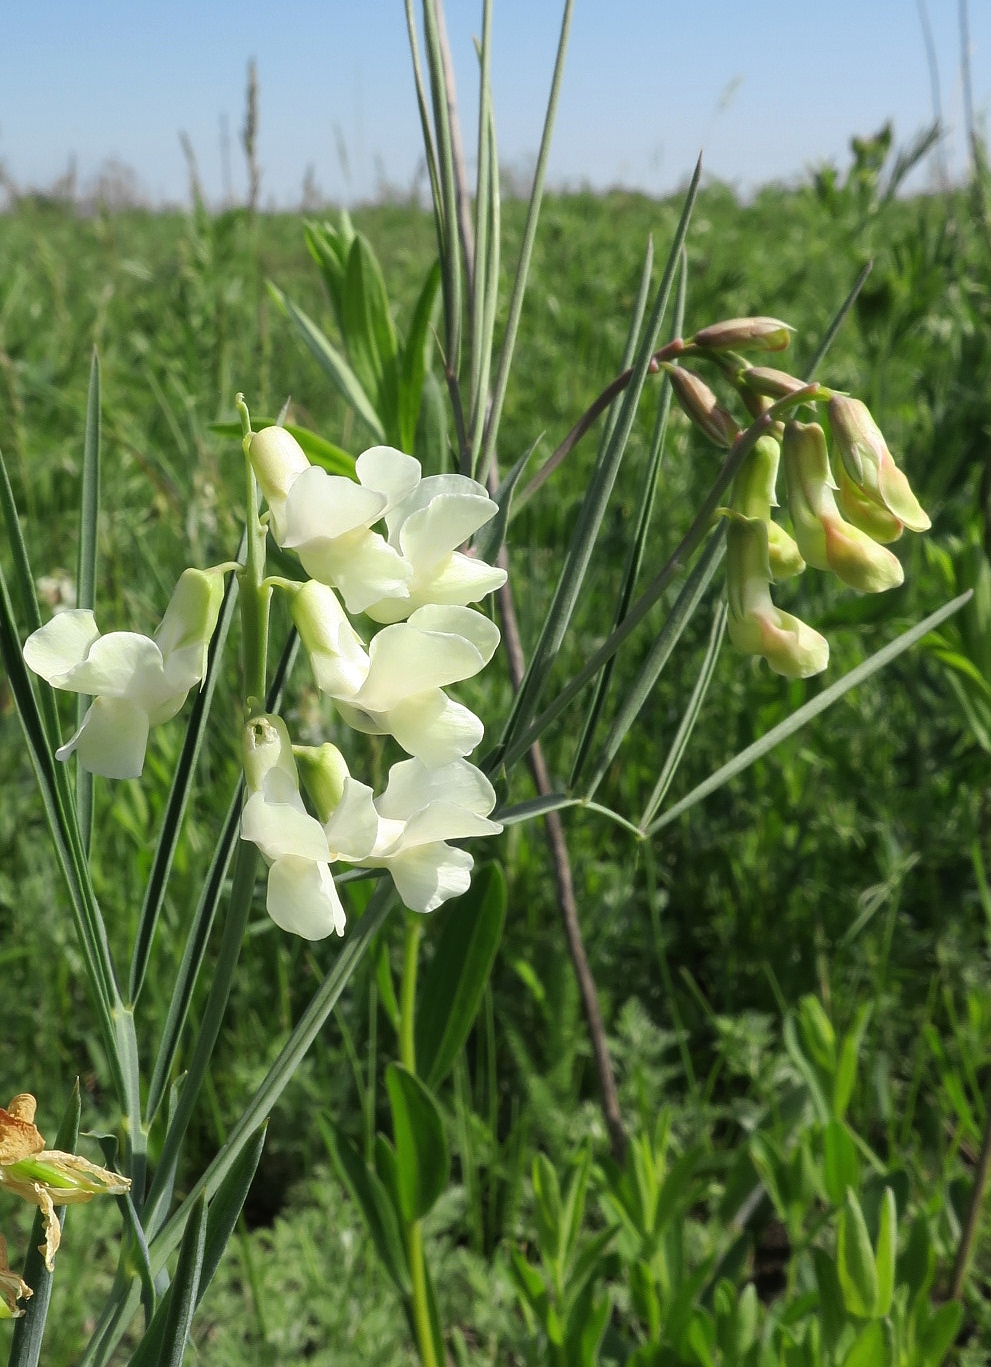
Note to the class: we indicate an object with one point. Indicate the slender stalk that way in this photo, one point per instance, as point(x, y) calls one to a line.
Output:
point(256, 595)
point(414, 1230)
point(407, 994)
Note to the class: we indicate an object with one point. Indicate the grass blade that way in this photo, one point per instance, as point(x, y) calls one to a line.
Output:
point(660, 652)
point(811, 709)
point(331, 362)
point(526, 252)
point(688, 720)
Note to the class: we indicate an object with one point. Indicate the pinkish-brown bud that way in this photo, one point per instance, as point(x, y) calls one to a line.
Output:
point(745, 334)
point(702, 406)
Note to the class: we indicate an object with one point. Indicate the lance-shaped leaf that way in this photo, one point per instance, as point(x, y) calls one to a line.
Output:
point(423, 1161)
point(453, 986)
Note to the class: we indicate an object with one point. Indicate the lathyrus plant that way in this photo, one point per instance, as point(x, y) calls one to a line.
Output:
point(845, 504)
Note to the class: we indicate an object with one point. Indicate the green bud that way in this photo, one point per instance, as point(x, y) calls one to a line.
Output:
point(323, 770)
point(189, 623)
point(776, 384)
point(870, 464)
point(267, 750)
point(277, 459)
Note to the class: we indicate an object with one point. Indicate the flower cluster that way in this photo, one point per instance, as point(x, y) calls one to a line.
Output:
point(42, 1177)
point(843, 512)
point(418, 585)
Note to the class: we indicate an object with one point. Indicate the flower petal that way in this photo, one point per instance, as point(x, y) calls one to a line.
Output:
point(434, 728)
point(112, 739)
point(412, 787)
point(302, 898)
point(443, 513)
point(353, 827)
point(61, 645)
point(361, 564)
point(281, 829)
point(321, 507)
point(431, 874)
point(436, 647)
point(390, 472)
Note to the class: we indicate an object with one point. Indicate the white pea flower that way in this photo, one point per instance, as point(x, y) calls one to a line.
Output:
point(135, 682)
point(301, 895)
point(428, 526)
point(326, 519)
point(396, 687)
point(407, 828)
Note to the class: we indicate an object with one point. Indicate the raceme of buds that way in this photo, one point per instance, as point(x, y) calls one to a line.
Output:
point(824, 538)
point(701, 405)
point(745, 334)
point(755, 625)
point(46, 1176)
point(870, 465)
point(135, 682)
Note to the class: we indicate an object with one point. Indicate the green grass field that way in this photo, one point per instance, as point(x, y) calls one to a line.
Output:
point(850, 864)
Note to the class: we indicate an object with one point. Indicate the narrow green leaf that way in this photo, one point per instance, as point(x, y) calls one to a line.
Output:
point(414, 360)
point(331, 362)
point(690, 716)
point(547, 1208)
point(884, 1258)
point(849, 1058)
point(488, 542)
point(832, 1311)
point(811, 709)
point(667, 638)
point(369, 335)
point(501, 381)
point(179, 795)
point(855, 1259)
point(329, 249)
point(370, 1195)
point(29, 1330)
point(840, 1166)
point(421, 1147)
point(164, 1342)
point(89, 511)
point(534, 807)
point(453, 985)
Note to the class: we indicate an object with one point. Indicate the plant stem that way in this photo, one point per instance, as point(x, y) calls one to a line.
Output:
point(407, 993)
point(255, 595)
point(414, 1230)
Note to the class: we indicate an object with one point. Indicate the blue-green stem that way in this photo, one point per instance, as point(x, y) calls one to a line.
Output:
point(407, 1056)
point(255, 596)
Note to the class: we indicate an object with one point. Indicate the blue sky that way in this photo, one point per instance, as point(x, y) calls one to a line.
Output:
point(767, 88)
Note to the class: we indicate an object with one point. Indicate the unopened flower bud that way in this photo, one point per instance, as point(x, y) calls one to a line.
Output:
point(323, 770)
point(755, 625)
point(188, 625)
point(775, 384)
point(754, 488)
point(267, 750)
point(702, 406)
point(826, 541)
point(870, 464)
point(277, 460)
point(863, 512)
point(745, 334)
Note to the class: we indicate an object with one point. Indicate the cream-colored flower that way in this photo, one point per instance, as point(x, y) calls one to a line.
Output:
point(12, 1287)
point(47, 1177)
